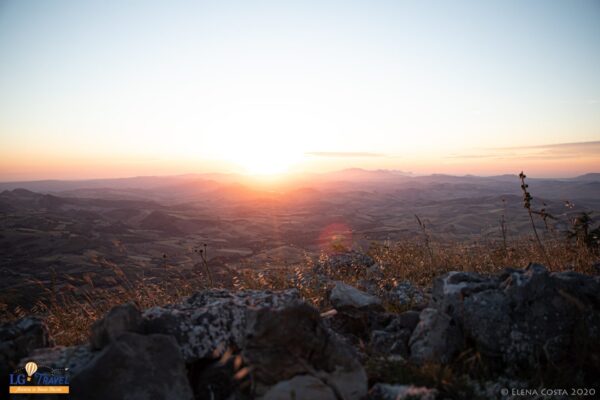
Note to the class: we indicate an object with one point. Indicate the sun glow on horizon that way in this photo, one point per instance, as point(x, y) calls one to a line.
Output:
point(267, 162)
point(260, 139)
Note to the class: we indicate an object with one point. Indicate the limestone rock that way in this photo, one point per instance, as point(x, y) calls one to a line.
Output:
point(300, 387)
point(123, 318)
point(18, 339)
point(134, 367)
point(393, 339)
point(281, 344)
point(212, 319)
point(450, 289)
point(437, 338)
point(405, 294)
point(487, 321)
point(345, 296)
point(358, 312)
point(521, 317)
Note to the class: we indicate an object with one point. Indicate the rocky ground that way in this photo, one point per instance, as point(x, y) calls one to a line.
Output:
point(469, 336)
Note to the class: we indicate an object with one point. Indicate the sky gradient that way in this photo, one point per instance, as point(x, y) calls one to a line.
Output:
point(121, 88)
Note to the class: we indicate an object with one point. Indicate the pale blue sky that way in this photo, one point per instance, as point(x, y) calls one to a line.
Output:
point(119, 87)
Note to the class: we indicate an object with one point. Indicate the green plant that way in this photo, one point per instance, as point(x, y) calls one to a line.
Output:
point(583, 232)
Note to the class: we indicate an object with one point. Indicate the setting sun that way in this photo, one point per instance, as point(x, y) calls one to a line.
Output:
point(264, 162)
point(256, 138)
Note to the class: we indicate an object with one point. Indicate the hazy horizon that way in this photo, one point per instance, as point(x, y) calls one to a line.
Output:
point(113, 89)
point(249, 177)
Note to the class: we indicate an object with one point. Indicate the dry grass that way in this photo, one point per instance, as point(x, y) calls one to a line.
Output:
point(69, 317)
point(410, 261)
point(420, 262)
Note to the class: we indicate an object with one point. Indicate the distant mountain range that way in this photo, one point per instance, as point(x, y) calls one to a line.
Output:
point(206, 182)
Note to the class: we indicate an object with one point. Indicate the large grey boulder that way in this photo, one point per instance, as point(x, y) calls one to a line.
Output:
point(450, 289)
point(357, 312)
point(393, 338)
point(282, 344)
point(344, 296)
point(436, 338)
point(18, 339)
point(390, 343)
point(521, 317)
point(123, 318)
point(487, 320)
point(552, 316)
point(212, 320)
point(406, 295)
point(278, 335)
point(134, 367)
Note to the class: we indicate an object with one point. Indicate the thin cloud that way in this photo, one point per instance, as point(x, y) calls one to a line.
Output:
point(555, 151)
point(570, 145)
point(343, 154)
point(469, 156)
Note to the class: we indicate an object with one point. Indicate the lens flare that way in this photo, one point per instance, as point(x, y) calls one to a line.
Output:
point(335, 237)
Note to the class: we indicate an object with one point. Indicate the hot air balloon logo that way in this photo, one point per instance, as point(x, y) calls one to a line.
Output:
point(30, 368)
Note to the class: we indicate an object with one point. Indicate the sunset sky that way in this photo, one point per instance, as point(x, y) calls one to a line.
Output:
point(121, 88)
